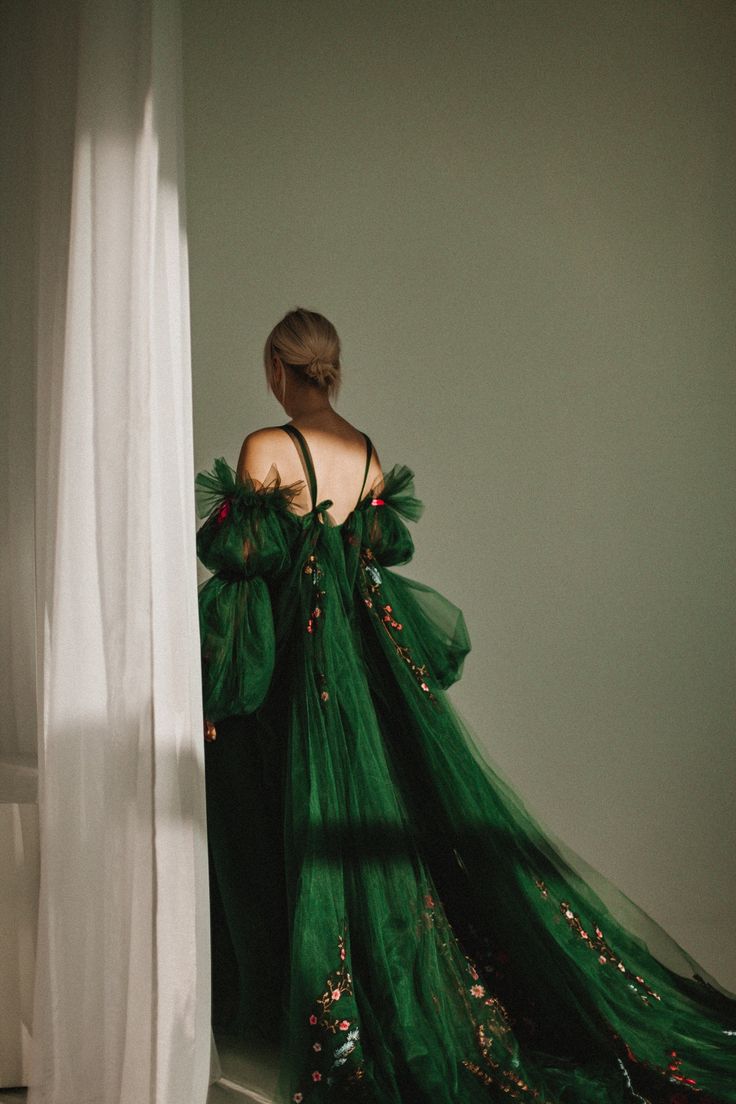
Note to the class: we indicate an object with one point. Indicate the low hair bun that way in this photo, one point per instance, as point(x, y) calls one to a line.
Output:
point(320, 371)
point(307, 343)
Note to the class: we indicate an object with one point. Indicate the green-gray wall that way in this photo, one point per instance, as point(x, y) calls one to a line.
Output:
point(520, 217)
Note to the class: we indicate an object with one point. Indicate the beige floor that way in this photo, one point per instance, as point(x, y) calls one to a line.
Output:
point(247, 1076)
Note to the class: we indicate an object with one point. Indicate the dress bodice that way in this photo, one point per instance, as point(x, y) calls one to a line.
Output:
point(266, 560)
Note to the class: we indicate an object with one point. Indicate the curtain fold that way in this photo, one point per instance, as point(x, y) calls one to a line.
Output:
point(121, 1011)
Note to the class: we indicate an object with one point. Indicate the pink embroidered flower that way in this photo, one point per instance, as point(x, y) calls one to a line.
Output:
point(335, 994)
point(224, 511)
point(477, 990)
point(428, 900)
point(316, 1046)
point(297, 1097)
point(313, 1019)
point(342, 952)
point(344, 1025)
point(316, 1075)
point(473, 973)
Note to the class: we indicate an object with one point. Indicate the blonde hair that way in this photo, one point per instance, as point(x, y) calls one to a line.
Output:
point(306, 342)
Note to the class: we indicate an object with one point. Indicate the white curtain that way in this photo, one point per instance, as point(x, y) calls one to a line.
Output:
point(121, 1000)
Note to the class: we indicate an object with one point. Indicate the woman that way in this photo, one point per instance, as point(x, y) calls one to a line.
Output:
point(383, 903)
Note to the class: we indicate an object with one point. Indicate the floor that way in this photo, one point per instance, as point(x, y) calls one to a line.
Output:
point(246, 1076)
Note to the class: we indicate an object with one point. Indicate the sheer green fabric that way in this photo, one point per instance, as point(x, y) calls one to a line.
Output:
point(384, 905)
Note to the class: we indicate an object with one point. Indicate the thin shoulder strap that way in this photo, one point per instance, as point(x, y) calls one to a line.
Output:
point(369, 453)
point(307, 457)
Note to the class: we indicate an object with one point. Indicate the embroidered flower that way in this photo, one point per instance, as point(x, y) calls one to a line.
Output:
point(428, 900)
point(313, 1019)
point(316, 1075)
point(297, 1097)
point(477, 990)
point(335, 994)
point(344, 1025)
point(316, 1046)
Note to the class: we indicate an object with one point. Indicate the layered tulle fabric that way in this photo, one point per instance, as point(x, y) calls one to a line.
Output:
point(246, 541)
point(385, 905)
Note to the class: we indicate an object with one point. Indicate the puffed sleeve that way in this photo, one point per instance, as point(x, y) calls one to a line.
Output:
point(393, 504)
point(429, 625)
point(245, 542)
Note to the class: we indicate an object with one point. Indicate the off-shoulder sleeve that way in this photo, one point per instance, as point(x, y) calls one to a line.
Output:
point(430, 626)
point(245, 542)
point(392, 505)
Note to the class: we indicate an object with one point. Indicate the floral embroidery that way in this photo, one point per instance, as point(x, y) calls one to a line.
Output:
point(372, 597)
point(338, 984)
point(670, 1071)
point(673, 1068)
point(312, 568)
point(597, 943)
point(496, 1032)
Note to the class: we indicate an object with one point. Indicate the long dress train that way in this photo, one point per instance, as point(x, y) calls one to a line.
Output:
point(383, 903)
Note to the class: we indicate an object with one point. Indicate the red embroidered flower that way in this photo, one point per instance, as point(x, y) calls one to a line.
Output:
point(224, 511)
point(377, 502)
point(316, 1075)
point(313, 1019)
point(344, 1025)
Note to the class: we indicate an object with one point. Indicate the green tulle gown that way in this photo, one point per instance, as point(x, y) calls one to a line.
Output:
point(383, 904)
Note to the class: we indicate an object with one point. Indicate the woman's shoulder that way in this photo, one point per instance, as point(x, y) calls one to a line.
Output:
point(261, 450)
point(221, 488)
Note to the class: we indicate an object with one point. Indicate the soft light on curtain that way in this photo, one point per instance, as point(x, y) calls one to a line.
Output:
point(121, 1011)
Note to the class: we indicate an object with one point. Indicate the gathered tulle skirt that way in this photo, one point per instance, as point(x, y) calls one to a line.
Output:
point(387, 911)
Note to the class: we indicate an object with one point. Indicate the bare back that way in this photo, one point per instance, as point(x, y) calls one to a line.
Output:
point(338, 453)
